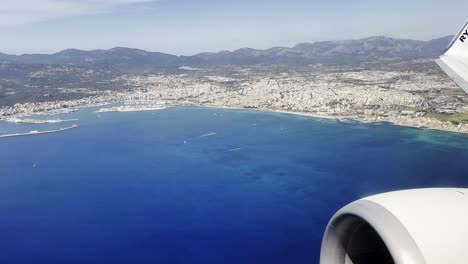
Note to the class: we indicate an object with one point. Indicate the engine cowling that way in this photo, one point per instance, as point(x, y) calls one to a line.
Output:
point(417, 226)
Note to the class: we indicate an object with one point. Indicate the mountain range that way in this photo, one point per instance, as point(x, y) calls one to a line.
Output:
point(346, 51)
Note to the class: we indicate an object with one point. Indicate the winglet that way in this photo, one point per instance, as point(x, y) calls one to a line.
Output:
point(454, 61)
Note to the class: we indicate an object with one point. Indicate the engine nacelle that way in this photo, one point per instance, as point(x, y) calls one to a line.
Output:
point(418, 226)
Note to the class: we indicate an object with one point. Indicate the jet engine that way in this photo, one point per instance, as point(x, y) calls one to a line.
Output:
point(417, 226)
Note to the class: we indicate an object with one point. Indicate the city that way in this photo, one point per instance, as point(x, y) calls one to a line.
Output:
point(410, 93)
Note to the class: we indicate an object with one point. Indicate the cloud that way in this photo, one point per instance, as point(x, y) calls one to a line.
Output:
point(15, 12)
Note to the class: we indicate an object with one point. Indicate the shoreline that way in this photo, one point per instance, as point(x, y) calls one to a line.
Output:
point(426, 123)
point(346, 119)
point(35, 132)
point(391, 93)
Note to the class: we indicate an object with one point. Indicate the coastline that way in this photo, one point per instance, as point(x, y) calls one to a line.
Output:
point(427, 123)
point(419, 124)
point(409, 98)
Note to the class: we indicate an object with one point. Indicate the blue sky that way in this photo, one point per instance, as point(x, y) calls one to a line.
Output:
point(185, 27)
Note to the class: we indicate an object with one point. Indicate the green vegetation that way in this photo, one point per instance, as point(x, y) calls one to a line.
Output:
point(455, 93)
point(454, 118)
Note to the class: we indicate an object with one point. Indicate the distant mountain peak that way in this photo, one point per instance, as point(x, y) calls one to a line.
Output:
point(343, 51)
point(377, 38)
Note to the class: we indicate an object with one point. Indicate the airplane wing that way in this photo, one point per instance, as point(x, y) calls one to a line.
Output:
point(454, 61)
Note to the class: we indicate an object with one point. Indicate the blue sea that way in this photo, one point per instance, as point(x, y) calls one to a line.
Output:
point(201, 185)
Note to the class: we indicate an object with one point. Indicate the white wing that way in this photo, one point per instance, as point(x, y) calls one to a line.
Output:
point(455, 59)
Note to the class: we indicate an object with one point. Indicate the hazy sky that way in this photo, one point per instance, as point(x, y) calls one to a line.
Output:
point(192, 26)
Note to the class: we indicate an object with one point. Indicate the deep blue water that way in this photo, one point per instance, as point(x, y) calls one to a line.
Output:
point(144, 187)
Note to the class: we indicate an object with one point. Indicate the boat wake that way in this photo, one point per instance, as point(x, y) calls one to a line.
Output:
point(232, 150)
point(207, 135)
